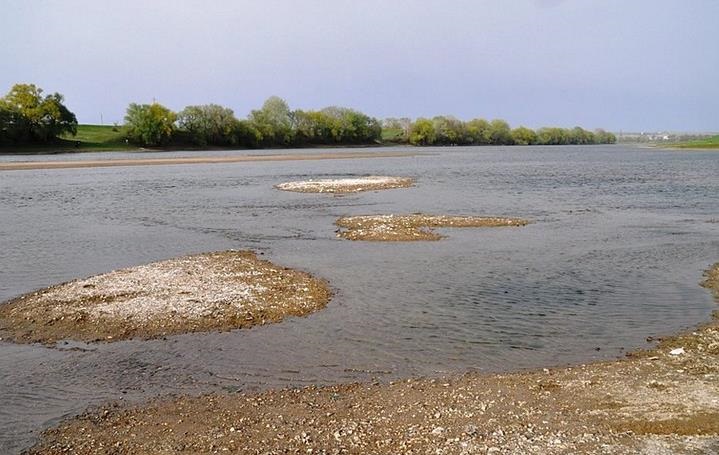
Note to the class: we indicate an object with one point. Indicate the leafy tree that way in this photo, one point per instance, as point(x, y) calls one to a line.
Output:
point(6, 121)
point(604, 137)
point(449, 130)
point(500, 133)
point(551, 136)
point(274, 122)
point(580, 136)
point(28, 116)
point(524, 136)
point(209, 124)
point(478, 131)
point(422, 132)
point(149, 124)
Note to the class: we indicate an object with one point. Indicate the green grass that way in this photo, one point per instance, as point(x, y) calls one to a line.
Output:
point(99, 137)
point(392, 135)
point(708, 143)
point(89, 138)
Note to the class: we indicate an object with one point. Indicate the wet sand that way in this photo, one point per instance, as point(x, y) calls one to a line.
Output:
point(663, 400)
point(349, 185)
point(29, 165)
point(406, 228)
point(211, 291)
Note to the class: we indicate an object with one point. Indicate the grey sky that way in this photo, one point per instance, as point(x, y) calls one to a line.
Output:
point(632, 65)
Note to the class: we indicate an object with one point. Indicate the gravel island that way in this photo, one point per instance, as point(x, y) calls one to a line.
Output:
point(347, 185)
point(405, 228)
point(212, 291)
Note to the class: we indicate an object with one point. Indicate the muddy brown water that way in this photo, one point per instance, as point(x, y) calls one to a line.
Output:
point(618, 242)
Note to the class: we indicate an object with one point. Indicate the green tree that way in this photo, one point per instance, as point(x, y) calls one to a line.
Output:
point(274, 122)
point(449, 131)
point(149, 124)
point(604, 137)
point(28, 116)
point(552, 136)
point(500, 133)
point(478, 131)
point(209, 124)
point(524, 136)
point(422, 132)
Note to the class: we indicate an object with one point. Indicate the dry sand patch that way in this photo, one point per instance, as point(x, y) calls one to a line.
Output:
point(347, 185)
point(403, 228)
point(212, 291)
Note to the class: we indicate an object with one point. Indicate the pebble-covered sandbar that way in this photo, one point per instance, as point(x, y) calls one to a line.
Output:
point(203, 292)
point(660, 401)
point(404, 228)
point(347, 185)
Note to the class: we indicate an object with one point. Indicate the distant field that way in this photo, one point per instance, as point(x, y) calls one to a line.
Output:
point(99, 137)
point(708, 143)
point(392, 135)
point(89, 138)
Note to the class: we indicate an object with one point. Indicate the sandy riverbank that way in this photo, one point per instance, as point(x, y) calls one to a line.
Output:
point(29, 165)
point(347, 185)
point(404, 228)
point(212, 291)
point(661, 401)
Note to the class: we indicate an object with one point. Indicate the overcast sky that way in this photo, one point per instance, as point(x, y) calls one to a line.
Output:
point(620, 65)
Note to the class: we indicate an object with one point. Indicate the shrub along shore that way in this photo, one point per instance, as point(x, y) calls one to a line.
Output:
point(31, 122)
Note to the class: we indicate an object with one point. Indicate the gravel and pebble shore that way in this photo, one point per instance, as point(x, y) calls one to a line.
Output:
point(212, 291)
point(660, 401)
point(405, 228)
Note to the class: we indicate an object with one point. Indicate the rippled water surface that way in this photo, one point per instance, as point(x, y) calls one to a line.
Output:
point(619, 239)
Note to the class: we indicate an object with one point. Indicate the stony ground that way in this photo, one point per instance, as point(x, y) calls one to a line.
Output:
point(212, 291)
point(403, 228)
point(348, 185)
point(661, 401)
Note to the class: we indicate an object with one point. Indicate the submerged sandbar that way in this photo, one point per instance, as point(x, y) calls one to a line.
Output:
point(203, 292)
point(404, 228)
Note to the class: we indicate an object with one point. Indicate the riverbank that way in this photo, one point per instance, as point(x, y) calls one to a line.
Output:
point(212, 291)
point(700, 144)
point(663, 400)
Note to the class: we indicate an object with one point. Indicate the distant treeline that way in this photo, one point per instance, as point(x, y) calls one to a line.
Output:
point(28, 117)
point(273, 125)
point(446, 130)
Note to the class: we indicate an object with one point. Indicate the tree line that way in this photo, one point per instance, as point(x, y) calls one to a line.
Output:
point(447, 130)
point(273, 125)
point(26, 116)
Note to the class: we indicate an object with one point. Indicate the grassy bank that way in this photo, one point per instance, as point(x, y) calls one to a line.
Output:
point(89, 138)
point(708, 143)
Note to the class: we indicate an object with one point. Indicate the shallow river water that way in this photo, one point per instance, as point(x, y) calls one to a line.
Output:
point(618, 241)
